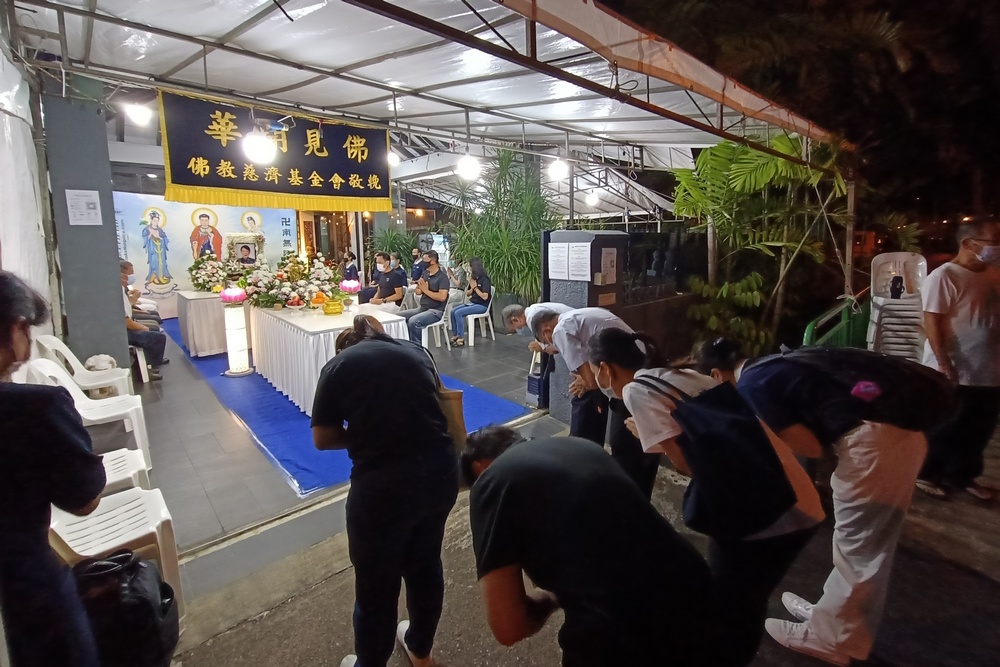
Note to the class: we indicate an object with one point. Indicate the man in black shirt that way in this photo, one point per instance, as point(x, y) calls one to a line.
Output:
point(391, 285)
point(432, 288)
point(403, 485)
point(561, 511)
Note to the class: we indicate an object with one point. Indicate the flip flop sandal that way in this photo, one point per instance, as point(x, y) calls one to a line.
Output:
point(980, 492)
point(932, 490)
point(458, 342)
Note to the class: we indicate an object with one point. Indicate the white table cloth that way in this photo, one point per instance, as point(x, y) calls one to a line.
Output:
point(291, 348)
point(202, 323)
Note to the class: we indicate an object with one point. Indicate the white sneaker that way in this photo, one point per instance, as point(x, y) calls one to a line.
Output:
point(798, 607)
point(797, 637)
point(349, 661)
point(401, 638)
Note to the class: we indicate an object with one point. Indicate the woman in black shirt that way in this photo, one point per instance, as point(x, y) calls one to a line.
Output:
point(480, 292)
point(403, 484)
point(48, 461)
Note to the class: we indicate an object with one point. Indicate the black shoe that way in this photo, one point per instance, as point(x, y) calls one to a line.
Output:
point(164, 362)
point(154, 375)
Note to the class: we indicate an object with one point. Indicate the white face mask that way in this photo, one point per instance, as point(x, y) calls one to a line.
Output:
point(990, 254)
point(380, 266)
point(607, 391)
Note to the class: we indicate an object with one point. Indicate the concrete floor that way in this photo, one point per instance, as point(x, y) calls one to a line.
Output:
point(939, 613)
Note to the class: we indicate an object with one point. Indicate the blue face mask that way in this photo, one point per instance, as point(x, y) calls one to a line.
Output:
point(131, 279)
point(393, 263)
point(524, 331)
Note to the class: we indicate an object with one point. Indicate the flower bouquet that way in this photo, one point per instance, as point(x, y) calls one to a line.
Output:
point(208, 274)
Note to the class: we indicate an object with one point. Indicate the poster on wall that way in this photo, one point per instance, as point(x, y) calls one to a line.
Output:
point(162, 239)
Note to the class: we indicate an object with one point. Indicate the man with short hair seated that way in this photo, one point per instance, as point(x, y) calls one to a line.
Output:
point(152, 343)
point(560, 511)
point(432, 288)
point(391, 285)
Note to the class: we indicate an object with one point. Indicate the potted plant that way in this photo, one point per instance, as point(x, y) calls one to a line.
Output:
point(500, 220)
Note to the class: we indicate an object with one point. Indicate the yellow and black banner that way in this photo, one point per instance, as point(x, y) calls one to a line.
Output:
point(318, 165)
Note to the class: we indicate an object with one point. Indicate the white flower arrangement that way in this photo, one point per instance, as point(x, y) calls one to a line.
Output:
point(208, 274)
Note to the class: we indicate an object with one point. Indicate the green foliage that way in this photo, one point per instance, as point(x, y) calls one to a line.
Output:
point(391, 239)
point(906, 234)
point(729, 310)
point(506, 232)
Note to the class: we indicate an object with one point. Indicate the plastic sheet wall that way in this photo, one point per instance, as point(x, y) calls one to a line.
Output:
point(22, 242)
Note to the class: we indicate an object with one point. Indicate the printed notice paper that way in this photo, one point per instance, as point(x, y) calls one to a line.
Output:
point(579, 261)
point(559, 261)
point(609, 265)
point(84, 207)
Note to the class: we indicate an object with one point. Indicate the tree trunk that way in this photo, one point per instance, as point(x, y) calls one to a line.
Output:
point(779, 299)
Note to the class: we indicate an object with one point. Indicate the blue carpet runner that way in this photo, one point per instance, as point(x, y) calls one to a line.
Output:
point(282, 430)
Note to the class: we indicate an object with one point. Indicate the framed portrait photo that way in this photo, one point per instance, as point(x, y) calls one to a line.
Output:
point(244, 248)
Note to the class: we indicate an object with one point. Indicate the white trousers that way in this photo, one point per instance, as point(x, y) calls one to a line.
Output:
point(872, 489)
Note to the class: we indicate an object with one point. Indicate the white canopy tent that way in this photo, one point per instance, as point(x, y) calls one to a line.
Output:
point(556, 77)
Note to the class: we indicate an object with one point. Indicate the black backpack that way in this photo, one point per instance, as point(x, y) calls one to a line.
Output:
point(738, 485)
point(132, 612)
point(891, 390)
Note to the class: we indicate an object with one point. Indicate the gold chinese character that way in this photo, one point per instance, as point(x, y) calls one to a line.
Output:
point(249, 172)
point(315, 180)
point(337, 181)
point(272, 174)
point(313, 144)
point(374, 183)
point(199, 166)
point(294, 178)
point(356, 149)
point(355, 182)
point(226, 169)
point(223, 128)
point(280, 138)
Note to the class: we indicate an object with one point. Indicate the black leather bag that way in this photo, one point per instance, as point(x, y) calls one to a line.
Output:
point(132, 612)
point(738, 485)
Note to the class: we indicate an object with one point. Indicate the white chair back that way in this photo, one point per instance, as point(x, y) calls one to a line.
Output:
point(52, 348)
point(57, 374)
point(910, 266)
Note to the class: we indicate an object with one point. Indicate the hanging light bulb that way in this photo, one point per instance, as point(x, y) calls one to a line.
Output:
point(392, 159)
point(592, 198)
point(139, 114)
point(469, 168)
point(259, 148)
point(558, 170)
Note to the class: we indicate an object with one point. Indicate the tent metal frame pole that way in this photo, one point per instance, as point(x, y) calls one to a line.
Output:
point(396, 13)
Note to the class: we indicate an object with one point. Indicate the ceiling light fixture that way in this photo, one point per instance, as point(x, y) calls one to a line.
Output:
point(558, 170)
point(392, 159)
point(592, 199)
point(152, 176)
point(259, 147)
point(139, 114)
point(469, 168)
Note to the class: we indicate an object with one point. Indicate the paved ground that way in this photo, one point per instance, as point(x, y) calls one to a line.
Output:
point(939, 614)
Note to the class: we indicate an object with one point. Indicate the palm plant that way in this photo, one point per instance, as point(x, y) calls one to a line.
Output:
point(390, 239)
point(500, 220)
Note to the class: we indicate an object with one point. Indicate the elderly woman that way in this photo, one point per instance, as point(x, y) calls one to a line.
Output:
point(403, 485)
point(49, 460)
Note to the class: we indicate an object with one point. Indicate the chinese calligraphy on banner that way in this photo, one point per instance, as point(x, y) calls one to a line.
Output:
point(324, 166)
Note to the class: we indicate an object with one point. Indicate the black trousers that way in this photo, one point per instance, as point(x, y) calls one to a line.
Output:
point(955, 450)
point(367, 294)
point(746, 572)
point(595, 418)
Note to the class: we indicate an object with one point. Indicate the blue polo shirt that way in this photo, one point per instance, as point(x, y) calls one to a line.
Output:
point(784, 393)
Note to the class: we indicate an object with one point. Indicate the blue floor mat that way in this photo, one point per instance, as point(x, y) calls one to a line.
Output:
point(282, 430)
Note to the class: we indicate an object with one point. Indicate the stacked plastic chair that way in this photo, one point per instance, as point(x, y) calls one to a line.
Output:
point(897, 318)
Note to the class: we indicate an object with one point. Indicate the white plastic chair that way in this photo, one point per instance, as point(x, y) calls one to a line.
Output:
point(440, 327)
point(124, 469)
point(52, 348)
point(134, 519)
point(484, 320)
point(102, 411)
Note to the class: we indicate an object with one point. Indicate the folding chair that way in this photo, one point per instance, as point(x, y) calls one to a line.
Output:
point(484, 320)
point(52, 348)
point(439, 328)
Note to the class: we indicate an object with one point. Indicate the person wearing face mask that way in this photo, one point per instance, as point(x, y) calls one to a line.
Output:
point(350, 268)
point(391, 285)
point(961, 302)
point(396, 263)
point(432, 290)
point(419, 265)
point(746, 570)
point(49, 461)
point(596, 413)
